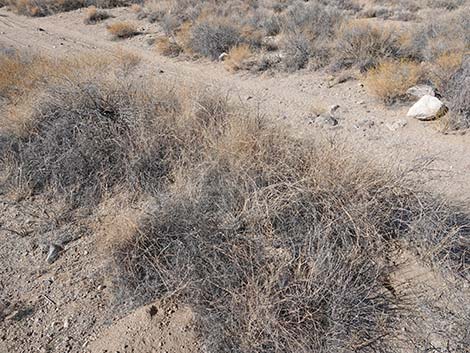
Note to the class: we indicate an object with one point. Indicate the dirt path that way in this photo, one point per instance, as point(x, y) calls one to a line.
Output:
point(363, 122)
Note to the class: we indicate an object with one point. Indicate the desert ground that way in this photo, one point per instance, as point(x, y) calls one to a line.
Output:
point(155, 198)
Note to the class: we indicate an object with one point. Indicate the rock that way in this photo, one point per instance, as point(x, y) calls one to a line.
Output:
point(53, 253)
point(427, 108)
point(326, 120)
point(223, 56)
point(420, 91)
point(396, 125)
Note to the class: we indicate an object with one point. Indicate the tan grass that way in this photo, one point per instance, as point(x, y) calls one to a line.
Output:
point(121, 30)
point(167, 47)
point(391, 79)
point(238, 57)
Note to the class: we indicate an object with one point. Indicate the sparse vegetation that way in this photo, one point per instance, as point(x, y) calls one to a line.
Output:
point(121, 30)
point(277, 243)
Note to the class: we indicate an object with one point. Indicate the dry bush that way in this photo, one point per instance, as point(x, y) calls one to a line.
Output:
point(238, 58)
point(277, 243)
point(297, 52)
point(458, 93)
point(441, 33)
point(121, 30)
point(391, 79)
point(167, 47)
point(93, 15)
point(308, 29)
point(443, 68)
point(364, 44)
point(212, 39)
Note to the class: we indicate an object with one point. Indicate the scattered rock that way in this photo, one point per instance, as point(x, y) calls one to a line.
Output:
point(396, 125)
point(427, 108)
point(420, 91)
point(53, 253)
point(223, 56)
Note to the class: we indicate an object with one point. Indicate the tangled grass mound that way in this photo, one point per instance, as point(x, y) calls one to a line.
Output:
point(278, 244)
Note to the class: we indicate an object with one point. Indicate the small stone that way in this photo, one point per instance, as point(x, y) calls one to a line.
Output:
point(53, 254)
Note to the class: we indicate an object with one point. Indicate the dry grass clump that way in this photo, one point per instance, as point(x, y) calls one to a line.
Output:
point(391, 79)
point(122, 30)
point(238, 58)
point(168, 47)
point(93, 15)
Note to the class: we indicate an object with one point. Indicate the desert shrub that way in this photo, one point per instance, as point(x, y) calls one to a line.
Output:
point(441, 33)
point(364, 44)
point(84, 134)
point(279, 245)
point(390, 80)
point(238, 58)
point(297, 51)
point(121, 30)
point(167, 47)
point(314, 21)
point(445, 4)
point(441, 70)
point(458, 93)
point(212, 39)
point(94, 15)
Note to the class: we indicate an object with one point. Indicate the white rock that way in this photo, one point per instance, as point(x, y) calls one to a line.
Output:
point(420, 91)
point(427, 108)
point(223, 56)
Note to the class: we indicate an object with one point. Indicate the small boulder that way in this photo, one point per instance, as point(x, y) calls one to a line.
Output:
point(420, 91)
point(427, 108)
point(223, 56)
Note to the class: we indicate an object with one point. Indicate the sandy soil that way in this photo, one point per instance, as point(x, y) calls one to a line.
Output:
point(67, 306)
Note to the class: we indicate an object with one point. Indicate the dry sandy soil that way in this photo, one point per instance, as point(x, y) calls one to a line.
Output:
point(67, 306)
